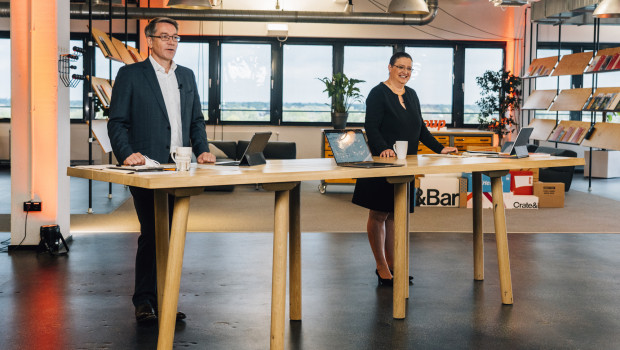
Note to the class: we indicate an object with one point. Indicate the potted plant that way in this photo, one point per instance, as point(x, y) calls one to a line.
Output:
point(343, 93)
point(501, 97)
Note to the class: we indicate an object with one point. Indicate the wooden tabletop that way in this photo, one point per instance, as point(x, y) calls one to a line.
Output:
point(308, 169)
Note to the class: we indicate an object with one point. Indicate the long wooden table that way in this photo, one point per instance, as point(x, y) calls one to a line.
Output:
point(283, 177)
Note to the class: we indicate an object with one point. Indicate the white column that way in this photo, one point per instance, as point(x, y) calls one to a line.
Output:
point(40, 129)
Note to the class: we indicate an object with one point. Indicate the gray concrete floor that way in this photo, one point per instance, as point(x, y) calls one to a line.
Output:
point(565, 295)
point(565, 291)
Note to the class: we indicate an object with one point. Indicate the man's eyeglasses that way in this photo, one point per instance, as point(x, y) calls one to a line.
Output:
point(408, 69)
point(166, 37)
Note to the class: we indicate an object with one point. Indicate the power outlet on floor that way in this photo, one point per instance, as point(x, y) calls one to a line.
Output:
point(32, 206)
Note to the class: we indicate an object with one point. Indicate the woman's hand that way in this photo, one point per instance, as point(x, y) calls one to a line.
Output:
point(447, 150)
point(388, 153)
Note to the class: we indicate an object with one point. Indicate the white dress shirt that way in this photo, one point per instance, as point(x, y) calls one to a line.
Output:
point(172, 98)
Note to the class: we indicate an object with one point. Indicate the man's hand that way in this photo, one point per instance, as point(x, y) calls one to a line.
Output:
point(447, 150)
point(205, 157)
point(135, 159)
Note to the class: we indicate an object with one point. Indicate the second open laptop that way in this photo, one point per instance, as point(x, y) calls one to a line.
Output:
point(516, 149)
point(350, 149)
point(253, 154)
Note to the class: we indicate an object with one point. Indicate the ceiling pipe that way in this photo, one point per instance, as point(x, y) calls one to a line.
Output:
point(80, 11)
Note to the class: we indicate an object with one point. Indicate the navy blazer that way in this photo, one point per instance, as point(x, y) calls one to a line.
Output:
point(138, 119)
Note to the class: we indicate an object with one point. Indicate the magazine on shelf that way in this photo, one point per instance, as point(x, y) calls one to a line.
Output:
point(613, 62)
point(556, 133)
point(568, 134)
point(578, 135)
point(593, 64)
point(599, 63)
point(614, 105)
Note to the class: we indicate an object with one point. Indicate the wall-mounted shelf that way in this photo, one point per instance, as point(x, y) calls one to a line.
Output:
point(573, 64)
point(542, 128)
point(604, 100)
point(571, 100)
point(606, 60)
point(570, 132)
point(105, 45)
point(540, 99)
point(541, 67)
point(103, 89)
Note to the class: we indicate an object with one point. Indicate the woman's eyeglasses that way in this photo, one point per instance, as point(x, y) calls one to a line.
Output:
point(408, 69)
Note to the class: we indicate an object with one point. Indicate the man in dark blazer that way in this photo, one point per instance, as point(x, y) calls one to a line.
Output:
point(155, 108)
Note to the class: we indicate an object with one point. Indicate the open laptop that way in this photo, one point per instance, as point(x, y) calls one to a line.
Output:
point(516, 149)
point(350, 149)
point(253, 154)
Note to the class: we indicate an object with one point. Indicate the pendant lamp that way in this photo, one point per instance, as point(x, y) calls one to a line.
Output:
point(607, 9)
point(190, 4)
point(409, 7)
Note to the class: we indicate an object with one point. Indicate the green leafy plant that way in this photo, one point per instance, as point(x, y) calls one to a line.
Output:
point(342, 91)
point(501, 97)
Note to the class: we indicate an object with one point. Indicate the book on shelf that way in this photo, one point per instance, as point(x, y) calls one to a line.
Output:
point(597, 102)
point(606, 62)
point(617, 64)
point(600, 63)
point(577, 135)
point(586, 106)
point(605, 99)
point(613, 61)
point(614, 105)
point(530, 71)
point(593, 64)
point(556, 133)
point(568, 134)
point(608, 100)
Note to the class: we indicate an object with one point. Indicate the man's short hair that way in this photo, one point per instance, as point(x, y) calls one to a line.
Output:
point(150, 29)
point(398, 55)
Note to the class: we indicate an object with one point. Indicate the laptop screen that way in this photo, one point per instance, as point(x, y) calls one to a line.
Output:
point(348, 145)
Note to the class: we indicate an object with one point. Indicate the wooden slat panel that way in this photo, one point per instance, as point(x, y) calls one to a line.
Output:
point(573, 64)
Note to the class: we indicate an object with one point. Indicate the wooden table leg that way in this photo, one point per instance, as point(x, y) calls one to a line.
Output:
point(501, 238)
point(408, 243)
point(477, 220)
point(401, 213)
point(170, 296)
point(162, 239)
point(167, 313)
point(278, 277)
point(295, 255)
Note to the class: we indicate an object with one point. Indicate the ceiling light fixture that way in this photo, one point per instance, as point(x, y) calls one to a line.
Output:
point(348, 8)
point(409, 7)
point(607, 9)
point(190, 4)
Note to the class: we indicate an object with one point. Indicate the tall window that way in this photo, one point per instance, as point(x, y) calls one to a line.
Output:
point(431, 78)
point(303, 99)
point(5, 75)
point(551, 83)
point(246, 82)
point(368, 63)
point(477, 61)
point(195, 56)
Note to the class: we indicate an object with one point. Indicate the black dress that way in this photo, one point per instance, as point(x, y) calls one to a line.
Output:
point(386, 122)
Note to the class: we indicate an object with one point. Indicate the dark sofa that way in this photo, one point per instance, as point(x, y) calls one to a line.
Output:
point(556, 174)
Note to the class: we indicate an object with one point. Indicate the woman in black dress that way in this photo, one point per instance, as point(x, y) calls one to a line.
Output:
point(392, 114)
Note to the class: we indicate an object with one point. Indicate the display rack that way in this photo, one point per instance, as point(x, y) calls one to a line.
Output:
point(103, 90)
point(571, 99)
point(541, 67)
point(604, 100)
point(540, 99)
point(606, 60)
point(573, 64)
point(570, 132)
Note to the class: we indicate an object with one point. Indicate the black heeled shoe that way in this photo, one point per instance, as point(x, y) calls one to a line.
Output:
point(384, 281)
point(410, 277)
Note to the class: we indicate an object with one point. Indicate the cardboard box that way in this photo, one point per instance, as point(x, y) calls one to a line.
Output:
point(486, 182)
point(514, 201)
point(550, 194)
point(521, 182)
point(438, 191)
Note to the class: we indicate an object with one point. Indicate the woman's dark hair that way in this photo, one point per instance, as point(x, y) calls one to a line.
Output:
point(149, 30)
point(398, 55)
